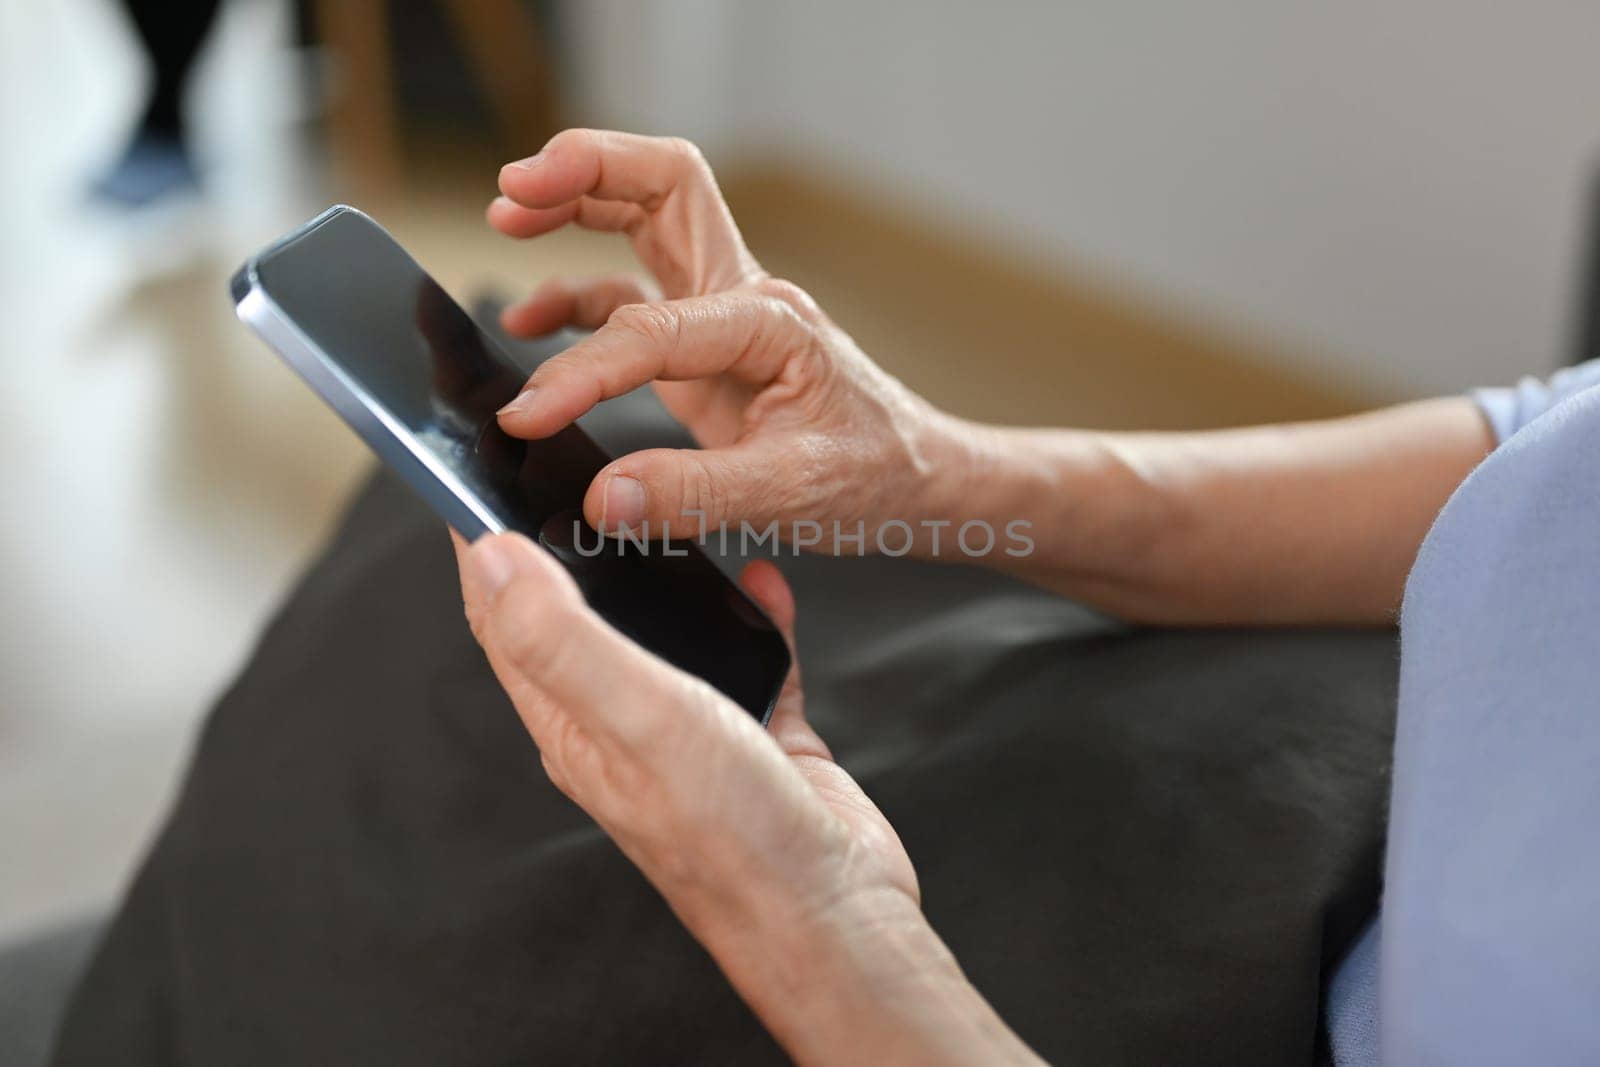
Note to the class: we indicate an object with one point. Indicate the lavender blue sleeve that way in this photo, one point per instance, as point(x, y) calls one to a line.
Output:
point(1490, 952)
point(1511, 408)
point(1485, 950)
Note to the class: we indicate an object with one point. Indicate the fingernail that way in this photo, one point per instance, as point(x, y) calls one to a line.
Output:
point(623, 506)
point(522, 402)
point(530, 163)
point(492, 565)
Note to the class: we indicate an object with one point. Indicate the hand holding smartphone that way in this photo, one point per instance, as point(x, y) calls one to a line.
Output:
point(409, 370)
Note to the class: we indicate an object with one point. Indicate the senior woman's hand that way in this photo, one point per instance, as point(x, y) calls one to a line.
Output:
point(796, 423)
point(765, 848)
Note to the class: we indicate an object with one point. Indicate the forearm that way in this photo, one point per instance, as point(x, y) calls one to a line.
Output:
point(1300, 523)
point(868, 982)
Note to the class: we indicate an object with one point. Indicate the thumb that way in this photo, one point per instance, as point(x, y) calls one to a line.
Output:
point(685, 492)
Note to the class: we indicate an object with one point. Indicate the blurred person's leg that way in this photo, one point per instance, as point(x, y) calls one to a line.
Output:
point(172, 32)
point(156, 163)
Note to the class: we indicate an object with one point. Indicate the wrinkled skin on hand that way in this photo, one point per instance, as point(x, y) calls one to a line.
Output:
point(739, 828)
point(795, 422)
point(768, 851)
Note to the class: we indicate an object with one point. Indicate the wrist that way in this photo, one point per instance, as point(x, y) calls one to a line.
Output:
point(869, 981)
point(999, 476)
point(1077, 510)
point(956, 460)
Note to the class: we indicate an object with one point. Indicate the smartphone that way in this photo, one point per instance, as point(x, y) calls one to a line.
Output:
point(415, 377)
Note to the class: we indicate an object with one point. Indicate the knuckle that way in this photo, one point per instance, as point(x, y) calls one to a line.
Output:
point(652, 323)
point(689, 155)
point(617, 291)
point(570, 137)
point(777, 315)
point(535, 633)
point(700, 489)
point(780, 329)
point(597, 299)
point(789, 294)
point(521, 636)
point(569, 748)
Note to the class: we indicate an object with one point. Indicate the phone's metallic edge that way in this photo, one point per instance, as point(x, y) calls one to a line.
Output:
point(393, 442)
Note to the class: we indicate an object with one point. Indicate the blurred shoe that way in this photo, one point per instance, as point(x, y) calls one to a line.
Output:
point(156, 167)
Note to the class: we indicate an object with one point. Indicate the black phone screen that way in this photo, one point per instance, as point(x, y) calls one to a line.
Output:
point(406, 352)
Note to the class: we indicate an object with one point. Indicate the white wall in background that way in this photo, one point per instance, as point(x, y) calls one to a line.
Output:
point(1393, 188)
point(664, 66)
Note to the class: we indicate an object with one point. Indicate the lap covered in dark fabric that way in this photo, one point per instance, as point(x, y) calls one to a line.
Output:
point(1143, 846)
